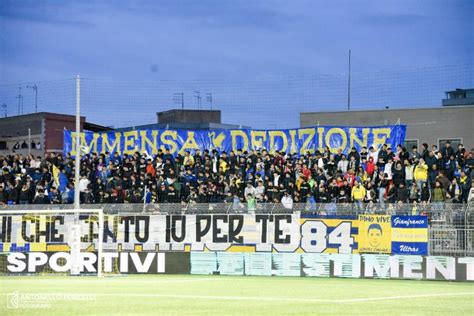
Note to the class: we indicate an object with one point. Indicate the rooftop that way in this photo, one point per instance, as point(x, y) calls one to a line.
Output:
point(440, 108)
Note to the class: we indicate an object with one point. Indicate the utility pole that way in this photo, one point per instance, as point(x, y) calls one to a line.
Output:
point(349, 84)
point(35, 87)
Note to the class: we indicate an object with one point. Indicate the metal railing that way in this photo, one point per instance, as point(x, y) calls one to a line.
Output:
point(436, 209)
point(451, 226)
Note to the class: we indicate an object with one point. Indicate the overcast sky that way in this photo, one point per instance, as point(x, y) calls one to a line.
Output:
point(228, 40)
point(44, 40)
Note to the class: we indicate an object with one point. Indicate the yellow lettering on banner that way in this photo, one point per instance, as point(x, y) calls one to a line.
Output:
point(280, 134)
point(115, 146)
point(216, 140)
point(73, 142)
point(153, 143)
point(380, 140)
point(302, 132)
point(238, 133)
point(86, 147)
point(293, 148)
point(332, 131)
point(130, 142)
point(320, 138)
point(169, 138)
point(93, 144)
point(258, 139)
point(354, 139)
point(190, 143)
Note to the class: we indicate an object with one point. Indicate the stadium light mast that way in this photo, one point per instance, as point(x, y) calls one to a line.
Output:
point(349, 84)
point(35, 87)
point(78, 147)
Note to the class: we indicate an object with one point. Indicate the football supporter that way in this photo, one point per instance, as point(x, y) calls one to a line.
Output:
point(244, 178)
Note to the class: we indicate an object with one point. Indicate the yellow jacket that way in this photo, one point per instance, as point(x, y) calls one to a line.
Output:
point(188, 160)
point(421, 172)
point(358, 193)
point(223, 165)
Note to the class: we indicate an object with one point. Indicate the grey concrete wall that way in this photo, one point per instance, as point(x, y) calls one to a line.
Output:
point(426, 125)
point(18, 126)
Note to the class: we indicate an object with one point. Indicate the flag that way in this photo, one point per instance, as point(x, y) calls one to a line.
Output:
point(56, 175)
point(60, 179)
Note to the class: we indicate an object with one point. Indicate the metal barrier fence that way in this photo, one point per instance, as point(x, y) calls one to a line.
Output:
point(438, 210)
point(451, 226)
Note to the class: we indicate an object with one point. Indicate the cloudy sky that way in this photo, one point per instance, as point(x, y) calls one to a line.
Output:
point(228, 40)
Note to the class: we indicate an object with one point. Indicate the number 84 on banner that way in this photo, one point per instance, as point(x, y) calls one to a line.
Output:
point(318, 237)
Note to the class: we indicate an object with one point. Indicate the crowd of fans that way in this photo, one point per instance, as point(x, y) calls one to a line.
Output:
point(385, 175)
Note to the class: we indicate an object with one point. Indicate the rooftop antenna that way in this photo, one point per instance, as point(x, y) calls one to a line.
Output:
point(35, 87)
point(20, 98)
point(178, 98)
point(349, 84)
point(198, 98)
point(5, 106)
point(209, 99)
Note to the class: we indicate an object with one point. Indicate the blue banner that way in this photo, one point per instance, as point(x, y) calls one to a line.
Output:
point(402, 221)
point(410, 235)
point(300, 141)
point(409, 248)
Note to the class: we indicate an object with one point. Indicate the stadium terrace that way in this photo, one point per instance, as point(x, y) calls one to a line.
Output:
point(246, 179)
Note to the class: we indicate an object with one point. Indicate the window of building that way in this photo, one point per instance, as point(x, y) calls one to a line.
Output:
point(454, 142)
point(409, 143)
